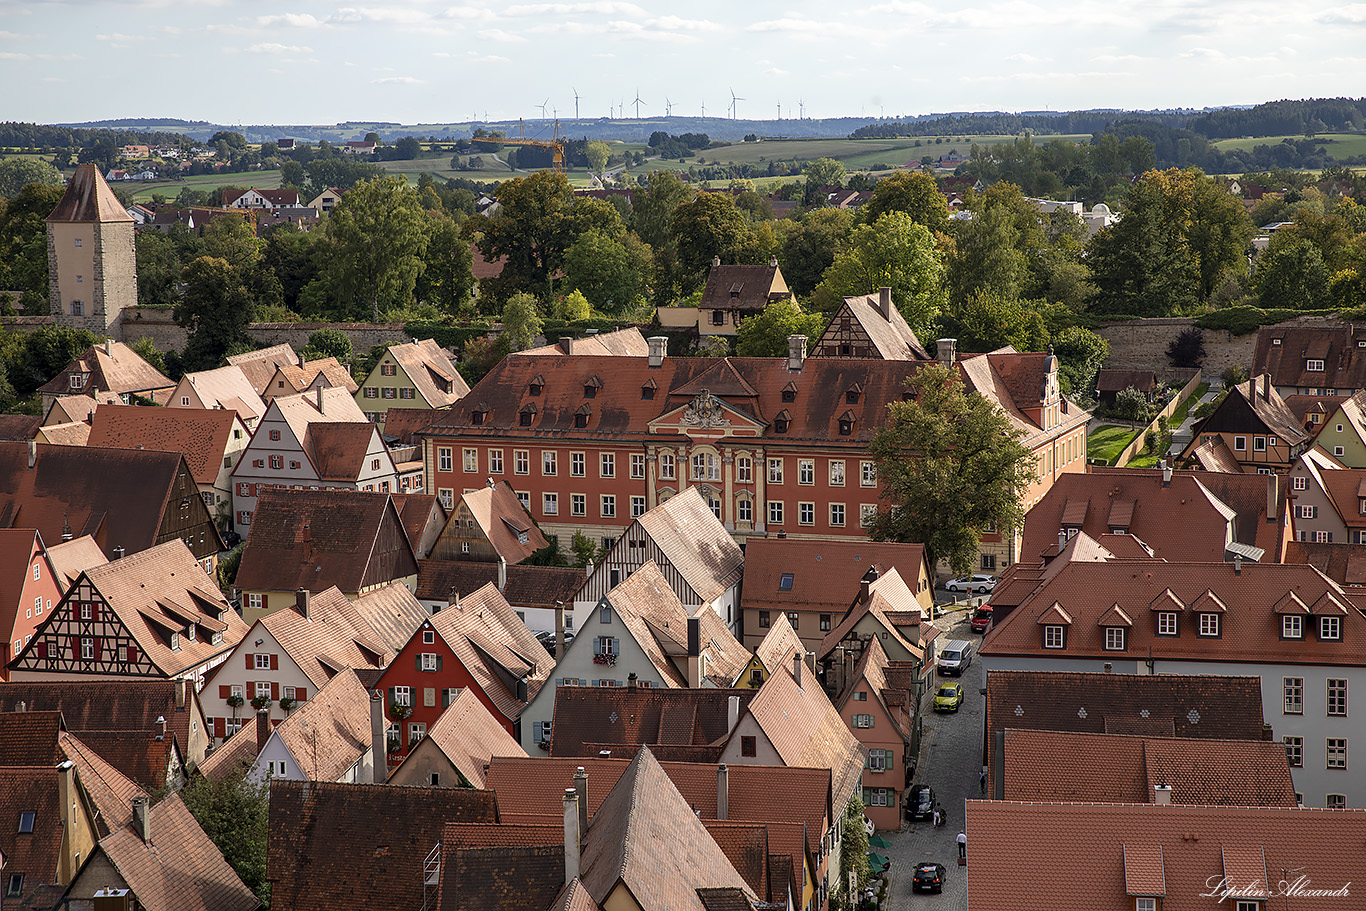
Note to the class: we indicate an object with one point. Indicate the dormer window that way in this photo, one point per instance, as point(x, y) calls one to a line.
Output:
point(1275, 343)
point(647, 392)
point(1115, 638)
point(789, 393)
point(190, 633)
point(851, 395)
point(1313, 365)
point(1167, 623)
point(581, 416)
point(846, 423)
point(527, 414)
point(1292, 626)
point(77, 381)
point(590, 388)
point(1209, 626)
point(479, 413)
point(785, 582)
point(1330, 629)
point(175, 642)
point(1054, 636)
point(782, 421)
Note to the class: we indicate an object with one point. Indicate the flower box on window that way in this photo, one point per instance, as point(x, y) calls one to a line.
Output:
point(609, 660)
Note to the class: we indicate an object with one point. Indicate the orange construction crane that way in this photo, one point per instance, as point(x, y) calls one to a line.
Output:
point(556, 144)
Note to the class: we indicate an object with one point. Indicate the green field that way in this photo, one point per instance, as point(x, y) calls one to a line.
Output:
point(1107, 442)
point(265, 180)
point(1339, 145)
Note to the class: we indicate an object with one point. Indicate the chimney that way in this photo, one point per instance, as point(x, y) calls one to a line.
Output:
point(1273, 498)
point(631, 680)
point(796, 352)
point(581, 789)
point(502, 573)
point(773, 260)
point(1266, 387)
point(379, 751)
point(32, 454)
point(1062, 538)
point(947, 350)
point(118, 553)
point(884, 302)
point(1237, 564)
point(453, 597)
point(141, 824)
point(732, 712)
point(694, 652)
point(722, 792)
point(559, 630)
point(320, 400)
point(797, 668)
point(1166, 473)
point(180, 685)
point(109, 347)
point(571, 835)
point(262, 729)
point(566, 344)
point(866, 584)
point(521, 690)
point(1162, 795)
point(300, 359)
point(715, 261)
point(659, 346)
point(161, 727)
point(301, 599)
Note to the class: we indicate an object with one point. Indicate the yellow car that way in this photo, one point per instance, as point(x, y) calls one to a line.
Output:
point(949, 697)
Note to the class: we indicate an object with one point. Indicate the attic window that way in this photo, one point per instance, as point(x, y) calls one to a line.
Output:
point(785, 582)
point(536, 385)
point(1275, 343)
point(647, 392)
point(851, 395)
point(846, 423)
point(26, 822)
point(790, 392)
point(1313, 365)
point(782, 421)
point(479, 414)
point(581, 416)
point(590, 388)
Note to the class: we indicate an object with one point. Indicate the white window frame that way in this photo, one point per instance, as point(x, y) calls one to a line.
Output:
point(744, 470)
point(1053, 636)
point(637, 466)
point(471, 460)
point(1209, 625)
point(806, 513)
point(867, 473)
point(1336, 697)
point(609, 506)
point(577, 463)
point(668, 466)
point(775, 512)
point(578, 504)
point(429, 661)
point(836, 468)
point(1336, 753)
point(1330, 629)
point(637, 507)
point(550, 504)
point(607, 465)
point(261, 661)
point(1294, 751)
point(837, 515)
point(403, 695)
point(495, 461)
point(521, 461)
point(1115, 638)
point(775, 471)
point(1292, 626)
point(550, 463)
point(445, 458)
point(806, 472)
point(1292, 695)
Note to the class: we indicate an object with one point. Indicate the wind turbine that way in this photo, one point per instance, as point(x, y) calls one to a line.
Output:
point(780, 110)
point(734, 108)
point(637, 103)
point(704, 109)
point(668, 106)
point(576, 103)
point(543, 106)
point(801, 109)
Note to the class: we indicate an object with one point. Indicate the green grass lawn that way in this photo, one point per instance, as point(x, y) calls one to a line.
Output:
point(1179, 415)
point(1108, 441)
point(265, 180)
point(1145, 460)
point(1339, 145)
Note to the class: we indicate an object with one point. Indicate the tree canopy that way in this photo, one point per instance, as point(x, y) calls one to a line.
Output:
point(895, 252)
point(765, 334)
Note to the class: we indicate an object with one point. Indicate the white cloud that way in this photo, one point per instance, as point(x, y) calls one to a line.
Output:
point(498, 34)
point(593, 7)
point(270, 47)
point(396, 15)
point(398, 80)
point(1351, 14)
point(487, 58)
point(293, 20)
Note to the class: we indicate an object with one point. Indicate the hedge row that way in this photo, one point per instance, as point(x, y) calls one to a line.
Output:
point(1244, 319)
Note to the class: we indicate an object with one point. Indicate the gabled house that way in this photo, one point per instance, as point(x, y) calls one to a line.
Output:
point(488, 525)
point(317, 439)
point(885, 609)
point(1328, 501)
point(227, 388)
point(111, 792)
point(337, 845)
point(684, 725)
point(811, 582)
point(1312, 360)
point(1252, 430)
point(416, 374)
point(688, 545)
point(69, 409)
point(154, 614)
point(327, 738)
point(478, 644)
point(267, 200)
point(260, 365)
point(537, 593)
point(640, 627)
point(305, 376)
point(71, 558)
point(1111, 382)
point(291, 653)
point(326, 201)
point(210, 440)
point(870, 325)
point(109, 367)
point(29, 586)
point(160, 861)
point(457, 748)
point(128, 500)
point(423, 518)
point(772, 654)
point(1343, 433)
point(628, 341)
point(76, 433)
point(733, 292)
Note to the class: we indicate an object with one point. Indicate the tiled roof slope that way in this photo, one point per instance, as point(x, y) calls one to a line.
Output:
point(1113, 380)
point(425, 363)
point(503, 877)
point(359, 845)
point(1177, 851)
point(825, 574)
point(1187, 520)
point(628, 342)
point(67, 408)
point(333, 636)
point(30, 738)
point(588, 718)
point(150, 762)
point(110, 790)
point(330, 732)
point(695, 543)
point(200, 435)
point(890, 602)
point(227, 387)
point(402, 423)
point(76, 433)
point(495, 647)
point(235, 756)
point(1345, 564)
point(890, 335)
point(1250, 629)
point(1282, 352)
point(743, 287)
point(19, 427)
point(119, 496)
point(1346, 488)
point(260, 366)
point(414, 509)
point(469, 736)
point(779, 644)
point(180, 869)
point(314, 539)
point(392, 612)
point(89, 199)
point(298, 377)
point(527, 586)
point(1120, 768)
point(112, 367)
point(32, 789)
point(503, 520)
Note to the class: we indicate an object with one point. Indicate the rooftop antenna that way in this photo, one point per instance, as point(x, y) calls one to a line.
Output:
point(576, 103)
point(637, 103)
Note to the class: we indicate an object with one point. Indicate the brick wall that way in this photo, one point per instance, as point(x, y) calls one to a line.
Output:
point(1141, 344)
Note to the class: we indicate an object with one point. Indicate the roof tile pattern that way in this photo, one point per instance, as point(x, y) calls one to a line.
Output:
point(470, 736)
point(587, 718)
point(200, 435)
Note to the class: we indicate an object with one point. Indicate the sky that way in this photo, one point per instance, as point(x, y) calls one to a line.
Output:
point(439, 61)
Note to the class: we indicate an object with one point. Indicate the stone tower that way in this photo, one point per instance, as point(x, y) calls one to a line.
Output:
point(92, 267)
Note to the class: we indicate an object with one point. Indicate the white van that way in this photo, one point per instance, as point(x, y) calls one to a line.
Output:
point(955, 656)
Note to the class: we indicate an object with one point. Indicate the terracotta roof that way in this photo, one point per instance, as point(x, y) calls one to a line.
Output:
point(892, 338)
point(1345, 564)
point(150, 762)
point(402, 423)
point(339, 450)
point(743, 287)
point(393, 612)
point(153, 593)
point(503, 520)
point(260, 366)
point(330, 732)
point(1112, 380)
point(1014, 382)
point(29, 738)
point(891, 602)
point(17, 545)
point(303, 416)
point(33, 789)
point(315, 539)
point(1283, 352)
point(825, 574)
point(1188, 848)
point(234, 757)
point(333, 636)
point(1252, 633)
point(891, 683)
point(299, 378)
point(110, 790)
point(527, 586)
point(1346, 489)
point(694, 542)
point(19, 427)
point(200, 435)
point(1251, 401)
point(495, 647)
point(505, 877)
point(67, 408)
point(469, 736)
point(120, 496)
point(1188, 520)
point(431, 371)
point(110, 367)
point(628, 342)
point(180, 869)
point(1176, 705)
point(1303, 406)
point(228, 387)
point(71, 558)
point(779, 644)
point(360, 845)
point(74, 433)
point(89, 199)
point(414, 509)
point(1120, 768)
point(588, 718)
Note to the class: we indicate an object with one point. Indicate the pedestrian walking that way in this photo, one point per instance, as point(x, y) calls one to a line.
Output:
point(938, 817)
point(982, 781)
point(962, 844)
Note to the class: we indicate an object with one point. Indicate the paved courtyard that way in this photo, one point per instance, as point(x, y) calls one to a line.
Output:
point(950, 762)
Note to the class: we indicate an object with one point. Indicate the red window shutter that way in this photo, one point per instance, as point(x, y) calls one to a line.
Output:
point(42, 649)
point(274, 662)
point(224, 691)
point(250, 659)
point(98, 643)
point(132, 654)
point(301, 694)
point(220, 727)
point(274, 690)
point(95, 615)
point(75, 649)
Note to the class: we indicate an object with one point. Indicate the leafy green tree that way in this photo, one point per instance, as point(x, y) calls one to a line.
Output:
point(343, 173)
point(232, 238)
point(950, 465)
point(912, 192)
point(709, 226)
point(1130, 405)
point(986, 258)
point(1187, 349)
point(986, 320)
point(378, 236)
point(447, 279)
point(159, 268)
point(765, 334)
point(611, 273)
point(597, 152)
point(585, 551)
point(146, 349)
point(331, 343)
point(234, 812)
point(1080, 353)
point(216, 308)
point(521, 321)
point(653, 214)
point(895, 252)
point(289, 253)
point(823, 172)
point(573, 306)
point(17, 173)
point(809, 247)
point(853, 849)
point(1293, 275)
point(292, 174)
point(23, 243)
point(45, 353)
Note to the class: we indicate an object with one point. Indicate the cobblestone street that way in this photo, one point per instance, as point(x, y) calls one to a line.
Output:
point(950, 762)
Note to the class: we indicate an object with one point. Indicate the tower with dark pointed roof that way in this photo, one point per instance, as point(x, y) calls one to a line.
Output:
point(92, 270)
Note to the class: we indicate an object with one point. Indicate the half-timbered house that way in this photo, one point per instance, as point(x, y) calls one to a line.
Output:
point(29, 586)
point(870, 325)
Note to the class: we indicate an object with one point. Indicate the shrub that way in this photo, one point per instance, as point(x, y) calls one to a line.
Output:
point(1130, 405)
point(1188, 348)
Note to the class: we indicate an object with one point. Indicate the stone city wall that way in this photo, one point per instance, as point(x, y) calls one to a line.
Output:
point(1141, 344)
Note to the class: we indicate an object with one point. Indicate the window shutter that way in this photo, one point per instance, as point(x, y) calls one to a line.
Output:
point(392, 697)
point(219, 727)
point(616, 646)
point(75, 648)
point(438, 661)
point(95, 610)
point(536, 731)
point(99, 643)
point(301, 694)
point(224, 691)
point(274, 690)
point(250, 659)
point(274, 662)
point(42, 649)
point(418, 661)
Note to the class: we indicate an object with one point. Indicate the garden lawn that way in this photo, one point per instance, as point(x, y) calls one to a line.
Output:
point(1108, 442)
point(1179, 415)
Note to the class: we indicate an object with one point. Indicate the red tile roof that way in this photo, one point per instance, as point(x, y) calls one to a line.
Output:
point(469, 736)
point(1118, 380)
point(825, 574)
point(503, 520)
point(591, 718)
point(19, 427)
point(110, 367)
point(260, 365)
point(200, 435)
point(1345, 564)
point(743, 288)
point(527, 586)
point(1283, 352)
point(89, 199)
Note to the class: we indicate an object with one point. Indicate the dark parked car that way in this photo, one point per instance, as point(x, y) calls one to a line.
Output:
point(920, 802)
point(929, 877)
